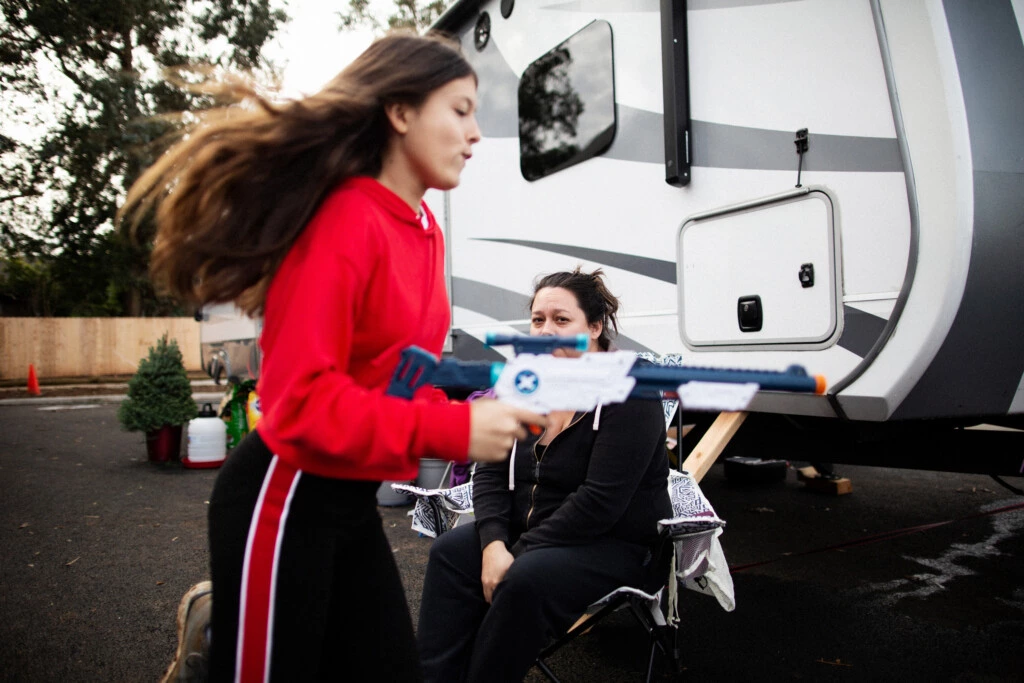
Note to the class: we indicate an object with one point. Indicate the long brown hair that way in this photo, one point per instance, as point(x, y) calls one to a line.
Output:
point(595, 300)
point(232, 195)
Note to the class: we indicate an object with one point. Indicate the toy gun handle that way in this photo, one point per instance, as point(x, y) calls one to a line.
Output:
point(417, 367)
point(522, 343)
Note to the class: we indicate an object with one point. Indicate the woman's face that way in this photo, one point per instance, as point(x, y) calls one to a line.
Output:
point(556, 312)
point(437, 138)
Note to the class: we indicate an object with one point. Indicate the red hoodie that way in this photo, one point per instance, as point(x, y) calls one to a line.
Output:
point(363, 281)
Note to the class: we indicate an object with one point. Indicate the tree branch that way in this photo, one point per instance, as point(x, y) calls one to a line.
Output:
point(22, 195)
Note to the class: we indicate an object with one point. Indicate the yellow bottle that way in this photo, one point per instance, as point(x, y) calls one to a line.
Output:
point(253, 413)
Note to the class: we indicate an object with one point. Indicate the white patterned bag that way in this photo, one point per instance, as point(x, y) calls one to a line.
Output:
point(438, 510)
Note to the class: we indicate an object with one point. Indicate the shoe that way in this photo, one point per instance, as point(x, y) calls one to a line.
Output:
point(191, 661)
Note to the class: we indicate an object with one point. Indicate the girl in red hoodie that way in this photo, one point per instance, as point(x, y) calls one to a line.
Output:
point(310, 213)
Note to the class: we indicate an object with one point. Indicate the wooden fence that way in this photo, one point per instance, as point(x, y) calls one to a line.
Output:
point(89, 347)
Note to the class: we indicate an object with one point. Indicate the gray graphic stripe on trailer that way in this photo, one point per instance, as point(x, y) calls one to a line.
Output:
point(641, 265)
point(639, 134)
point(718, 145)
point(860, 331)
point(502, 304)
point(494, 302)
point(467, 347)
point(981, 361)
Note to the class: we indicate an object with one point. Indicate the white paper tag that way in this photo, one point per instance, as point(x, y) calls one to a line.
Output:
point(717, 395)
point(543, 383)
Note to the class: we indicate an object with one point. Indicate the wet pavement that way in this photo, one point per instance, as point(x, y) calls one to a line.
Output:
point(915, 576)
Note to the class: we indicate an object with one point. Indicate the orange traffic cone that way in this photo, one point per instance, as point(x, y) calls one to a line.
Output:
point(33, 382)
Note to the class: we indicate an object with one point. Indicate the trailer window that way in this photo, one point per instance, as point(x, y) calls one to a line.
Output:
point(567, 103)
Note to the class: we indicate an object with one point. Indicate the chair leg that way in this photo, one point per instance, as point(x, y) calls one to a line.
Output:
point(650, 659)
point(546, 671)
point(676, 655)
point(666, 639)
point(581, 627)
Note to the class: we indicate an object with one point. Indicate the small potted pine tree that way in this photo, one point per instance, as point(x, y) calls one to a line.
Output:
point(159, 401)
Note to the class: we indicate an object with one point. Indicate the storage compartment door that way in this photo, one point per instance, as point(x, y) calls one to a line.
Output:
point(763, 274)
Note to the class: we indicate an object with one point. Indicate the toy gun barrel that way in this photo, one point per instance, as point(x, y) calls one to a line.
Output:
point(654, 378)
point(522, 343)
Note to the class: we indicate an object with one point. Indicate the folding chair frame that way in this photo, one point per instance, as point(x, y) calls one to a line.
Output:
point(663, 636)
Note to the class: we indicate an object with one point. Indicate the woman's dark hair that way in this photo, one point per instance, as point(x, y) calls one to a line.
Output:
point(234, 193)
point(593, 297)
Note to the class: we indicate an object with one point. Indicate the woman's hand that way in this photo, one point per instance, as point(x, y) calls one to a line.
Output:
point(493, 426)
point(497, 559)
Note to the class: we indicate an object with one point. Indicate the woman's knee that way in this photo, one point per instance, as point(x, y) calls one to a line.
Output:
point(452, 545)
point(455, 554)
point(527, 582)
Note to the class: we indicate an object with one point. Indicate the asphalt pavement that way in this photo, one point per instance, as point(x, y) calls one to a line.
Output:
point(915, 576)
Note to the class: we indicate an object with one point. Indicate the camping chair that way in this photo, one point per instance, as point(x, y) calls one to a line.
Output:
point(690, 535)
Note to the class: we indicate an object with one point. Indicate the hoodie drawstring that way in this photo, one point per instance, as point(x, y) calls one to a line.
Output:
point(512, 467)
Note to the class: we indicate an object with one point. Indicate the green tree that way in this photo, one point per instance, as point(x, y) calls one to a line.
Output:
point(407, 14)
point(160, 392)
point(83, 90)
point(25, 287)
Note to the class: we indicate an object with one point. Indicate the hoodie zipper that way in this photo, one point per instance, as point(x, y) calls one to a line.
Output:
point(536, 466)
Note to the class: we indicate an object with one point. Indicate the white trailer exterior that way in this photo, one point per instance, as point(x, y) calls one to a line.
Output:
point(906, 210)
point(910, 208)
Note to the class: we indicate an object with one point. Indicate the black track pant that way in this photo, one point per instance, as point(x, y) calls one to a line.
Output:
point(462, 638)
point(302, 564)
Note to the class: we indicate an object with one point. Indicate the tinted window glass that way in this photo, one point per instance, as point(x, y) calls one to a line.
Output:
point(567, 103)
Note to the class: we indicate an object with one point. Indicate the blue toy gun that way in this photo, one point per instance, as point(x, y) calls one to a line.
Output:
point(536, 380)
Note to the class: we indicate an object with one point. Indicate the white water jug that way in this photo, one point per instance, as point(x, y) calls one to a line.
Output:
point(207, 440)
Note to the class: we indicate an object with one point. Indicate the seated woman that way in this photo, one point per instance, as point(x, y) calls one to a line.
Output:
point(576, 520)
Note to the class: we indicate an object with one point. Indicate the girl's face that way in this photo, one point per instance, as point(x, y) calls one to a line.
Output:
point(556, 311)
point(436, 139)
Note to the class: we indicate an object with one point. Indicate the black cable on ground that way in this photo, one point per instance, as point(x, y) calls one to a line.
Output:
point(1007, 486)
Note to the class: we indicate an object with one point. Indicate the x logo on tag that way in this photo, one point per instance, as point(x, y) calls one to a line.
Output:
point(526, 382)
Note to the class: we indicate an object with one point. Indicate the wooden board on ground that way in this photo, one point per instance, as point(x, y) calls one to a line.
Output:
point(813, 481)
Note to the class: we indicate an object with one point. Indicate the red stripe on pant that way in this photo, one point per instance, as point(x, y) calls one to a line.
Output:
point(256, 610)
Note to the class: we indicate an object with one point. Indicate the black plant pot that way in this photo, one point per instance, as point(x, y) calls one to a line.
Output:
point(164, 444)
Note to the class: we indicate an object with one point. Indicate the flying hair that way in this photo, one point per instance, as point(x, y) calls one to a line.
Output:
point(233, 193)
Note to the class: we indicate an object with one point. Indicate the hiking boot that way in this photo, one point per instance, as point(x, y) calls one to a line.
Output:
point(191, 661)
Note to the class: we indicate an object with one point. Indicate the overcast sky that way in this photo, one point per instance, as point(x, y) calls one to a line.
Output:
point(310, 47)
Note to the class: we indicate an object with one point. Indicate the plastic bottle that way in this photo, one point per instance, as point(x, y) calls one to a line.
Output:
point(207, 440)
point(234, 415)
point(253, 412)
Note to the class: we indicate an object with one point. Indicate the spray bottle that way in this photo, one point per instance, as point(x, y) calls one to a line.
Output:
point(234, 413)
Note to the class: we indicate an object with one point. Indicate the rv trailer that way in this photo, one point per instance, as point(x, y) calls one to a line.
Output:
point(837, 184)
